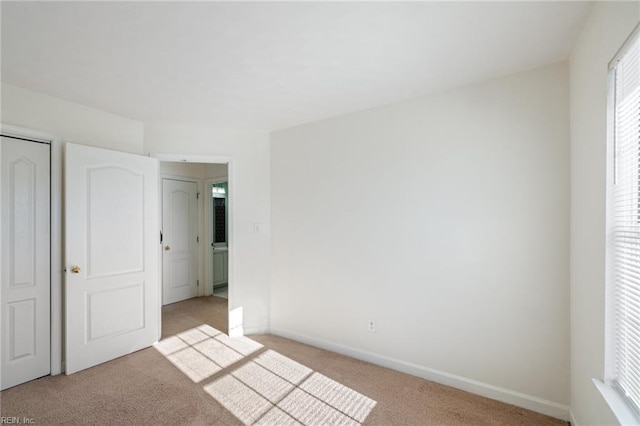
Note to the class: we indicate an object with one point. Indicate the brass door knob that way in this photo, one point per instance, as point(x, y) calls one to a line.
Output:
point(167, 248)
point(75, 269)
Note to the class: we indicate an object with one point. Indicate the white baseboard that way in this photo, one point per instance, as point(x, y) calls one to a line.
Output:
point(518, 399)
point(572, 419)
point(255, 330)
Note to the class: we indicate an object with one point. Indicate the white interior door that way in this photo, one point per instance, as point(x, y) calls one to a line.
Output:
point(111, 226)
point(180, 234)
point(26, 260)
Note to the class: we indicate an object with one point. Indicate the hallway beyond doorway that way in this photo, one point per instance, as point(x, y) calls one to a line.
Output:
point(187, 314)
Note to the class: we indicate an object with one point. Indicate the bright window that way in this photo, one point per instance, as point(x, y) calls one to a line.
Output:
point(624, 204)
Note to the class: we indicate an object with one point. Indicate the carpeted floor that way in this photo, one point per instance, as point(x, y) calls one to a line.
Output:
point(198, 376)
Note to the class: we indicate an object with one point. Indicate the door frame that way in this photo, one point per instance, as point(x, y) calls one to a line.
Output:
point(213, 159)
point(208, 199)
point(56, 241)
point(198, 183)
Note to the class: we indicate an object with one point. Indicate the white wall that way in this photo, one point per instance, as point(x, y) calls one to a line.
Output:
point(69, 121)
point(189, 170)
point(249, 176)
point(194, 170)
point(215, 171)
point(444, 219)
point(608, 26)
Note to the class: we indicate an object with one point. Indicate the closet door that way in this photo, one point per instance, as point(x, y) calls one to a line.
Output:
point(25, 308)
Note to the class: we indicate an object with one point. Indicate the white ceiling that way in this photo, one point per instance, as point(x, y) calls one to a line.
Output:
point(267, 66)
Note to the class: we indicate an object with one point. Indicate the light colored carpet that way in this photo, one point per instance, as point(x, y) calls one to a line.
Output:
point(197, 375)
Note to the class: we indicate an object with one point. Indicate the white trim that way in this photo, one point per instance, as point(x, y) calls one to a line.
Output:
point(57, 258)
point(625, 46)
point(247, 331)
point(22, 132)
point(206, 211)
point(57, 362)
point(572, 419)
point(619, 406)
point(179, 158)
point(609, 367)
point(217, 179)
point(518, 399)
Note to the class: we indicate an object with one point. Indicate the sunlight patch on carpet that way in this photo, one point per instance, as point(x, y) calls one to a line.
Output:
point(269, 389)
point(242, 344)
point(284, 367)
point(209, 331)
point(242, 401)
point(294, 393)
point(276, 416)
point(170, 345)
point(193, 364)
point(339, 396)
point(309, 410)
point(221, 354)
point(263, 381)
point(193, 336)
point(203, 351)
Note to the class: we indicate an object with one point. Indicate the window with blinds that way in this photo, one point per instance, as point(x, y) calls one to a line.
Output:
point(625, 219)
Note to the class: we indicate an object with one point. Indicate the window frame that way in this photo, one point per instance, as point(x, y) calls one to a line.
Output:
point(623, 407)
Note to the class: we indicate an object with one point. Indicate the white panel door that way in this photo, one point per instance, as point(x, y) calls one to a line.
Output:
point(180, 233)
point(25, 261)
point(111, 227)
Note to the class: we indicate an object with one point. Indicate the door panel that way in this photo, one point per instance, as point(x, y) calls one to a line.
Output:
point(112, 286)
point(180, 232)
point(220, 262)
point(129, 297)
point(25, 261)
point(218, 268)
point(111, 253)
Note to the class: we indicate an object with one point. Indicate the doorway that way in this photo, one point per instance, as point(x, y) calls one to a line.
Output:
point(202, 173)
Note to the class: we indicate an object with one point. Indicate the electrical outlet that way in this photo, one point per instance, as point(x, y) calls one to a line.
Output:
point(371, 326)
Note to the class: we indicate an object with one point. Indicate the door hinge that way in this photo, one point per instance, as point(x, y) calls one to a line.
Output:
point(198, 282)
point(198, 239)
point(197, 196)
point(160, 237)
